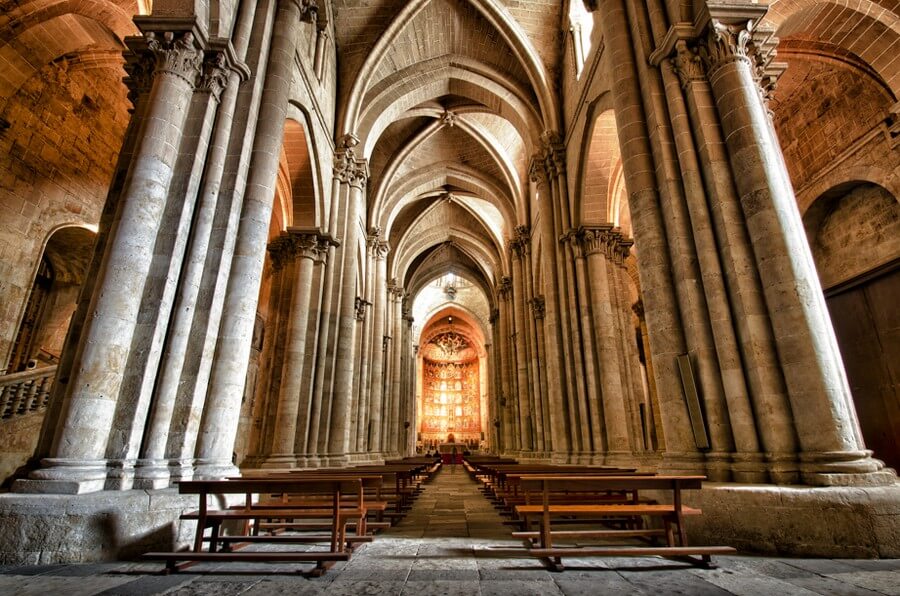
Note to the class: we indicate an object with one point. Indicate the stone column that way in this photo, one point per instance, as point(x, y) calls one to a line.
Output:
point(303, 251)
point(656, 436)
point(520, 344)
point(77, 463)
point(396, 425)
point(590, 353)
point(377, 397)
point(756, 340)
point(227, 377)
point(222, 82)
point(596, 241)
point(832, 449)
point(356, 173)
point(507, 399)
point(538, 307)
point(554, 160)
point(307, 399)
point(557, 379)
point(746, 464)
point(663, 316)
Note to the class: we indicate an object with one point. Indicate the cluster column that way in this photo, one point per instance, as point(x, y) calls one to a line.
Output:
point(79, 450)
point(831, 446)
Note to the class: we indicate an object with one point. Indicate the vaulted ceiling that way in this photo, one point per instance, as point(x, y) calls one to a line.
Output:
point(448, 99)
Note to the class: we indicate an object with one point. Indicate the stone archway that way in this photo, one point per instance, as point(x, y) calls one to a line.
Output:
point(854, 234)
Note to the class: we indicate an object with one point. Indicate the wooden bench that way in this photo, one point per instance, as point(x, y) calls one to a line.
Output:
point(615, 519)
point(341, 500)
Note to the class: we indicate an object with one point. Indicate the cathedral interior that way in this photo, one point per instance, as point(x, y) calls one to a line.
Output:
point(288, 234)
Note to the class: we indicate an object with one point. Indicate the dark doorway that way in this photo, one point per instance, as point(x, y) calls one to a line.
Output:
point(866, 318)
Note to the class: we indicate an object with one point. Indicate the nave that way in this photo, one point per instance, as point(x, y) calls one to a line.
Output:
point(453, 542)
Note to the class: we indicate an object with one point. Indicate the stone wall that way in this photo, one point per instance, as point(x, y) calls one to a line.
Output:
point(65, 127)
point(856, 232)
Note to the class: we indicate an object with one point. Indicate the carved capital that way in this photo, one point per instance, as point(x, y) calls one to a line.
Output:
point(304, 245)
point(175, 55)
point(309, 10)
point(687, 63)
point(725, 44)
point(505, 287)
point(279, 252)
point(215, 75)
point(347, 168)
point(360, 307)
point(538, 307)
point(381, 250)
point(553, 153)
point(537, 173)
point(140, 76)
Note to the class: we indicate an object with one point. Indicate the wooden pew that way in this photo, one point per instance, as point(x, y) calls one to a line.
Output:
point(343, 498)
point(540, 491)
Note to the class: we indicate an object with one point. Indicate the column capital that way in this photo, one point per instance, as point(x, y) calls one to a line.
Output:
point(174, 54)
point(553, 152)
point(214, 76)
point(360, 307)
point(687, 64)
point(504, 287)
point(347, 167)
point(537, 173)
point(607, 240)
point(309, 10)
point(538, 307)
point(304, 244)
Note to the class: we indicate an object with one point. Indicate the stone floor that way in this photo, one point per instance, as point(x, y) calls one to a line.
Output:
point(452, 542)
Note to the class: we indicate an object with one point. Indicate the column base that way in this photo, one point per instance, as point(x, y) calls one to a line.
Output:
point(687, 462)
point(278, 461)
point(749, 468)
point(64, 477)
point(844, 468)
point(212, 470)
point(151, 474)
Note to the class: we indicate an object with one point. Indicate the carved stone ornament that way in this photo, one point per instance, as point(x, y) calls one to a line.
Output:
point(538, 307)
point(140, 76)
point(175, 56)
point(687, 63)
point(309, 10)
point(360, 306)
point(554, 153)
point(725, 44)
point(448, 118)
point(305, 245)
point(215, 75)
point(347, 168)
point(505, 287)
point(537, 173)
